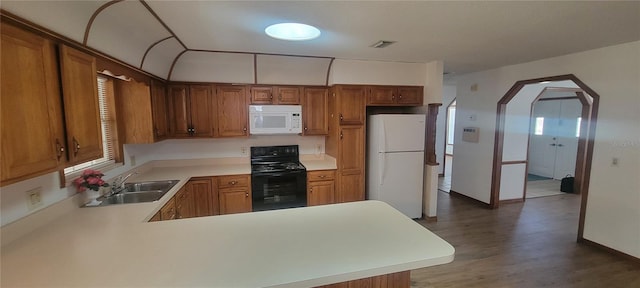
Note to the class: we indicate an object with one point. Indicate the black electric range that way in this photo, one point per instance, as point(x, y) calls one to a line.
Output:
point(278, 179)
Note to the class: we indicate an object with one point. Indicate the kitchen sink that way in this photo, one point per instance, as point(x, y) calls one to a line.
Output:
point(149, 186)
point(138, 192)
point(132, 197)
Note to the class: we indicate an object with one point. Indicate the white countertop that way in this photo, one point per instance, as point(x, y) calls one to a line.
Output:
point(115, 246)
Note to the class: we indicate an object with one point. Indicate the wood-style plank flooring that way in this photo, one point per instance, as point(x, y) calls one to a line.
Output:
point(530, 244)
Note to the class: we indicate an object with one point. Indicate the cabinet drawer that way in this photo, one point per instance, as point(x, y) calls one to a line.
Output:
point(321, 175)
point(233, 181)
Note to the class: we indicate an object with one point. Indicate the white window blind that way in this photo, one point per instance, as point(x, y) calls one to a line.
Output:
point(107, 122)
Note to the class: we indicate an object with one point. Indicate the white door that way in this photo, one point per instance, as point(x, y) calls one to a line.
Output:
point(400, 181)
point(554, 139)
point(402, 133)
point(542, 147)
point(568, 129)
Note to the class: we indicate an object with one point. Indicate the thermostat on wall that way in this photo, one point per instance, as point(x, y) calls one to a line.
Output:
point(470, 134)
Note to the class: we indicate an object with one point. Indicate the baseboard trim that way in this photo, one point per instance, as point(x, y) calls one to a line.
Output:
point(510, 201)
point(429, 219)
point(473, 200)
point(609, 250)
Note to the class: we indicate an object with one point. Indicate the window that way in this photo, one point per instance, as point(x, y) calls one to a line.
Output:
point(539, 127)
point(107, 122)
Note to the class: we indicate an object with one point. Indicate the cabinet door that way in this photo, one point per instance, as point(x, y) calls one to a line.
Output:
point(185, 207)
point(315, 111)
point(288, 95)
point(31, 112)
point(410, 96)
point(235, 200)
point(159, 110)
point(81, 108)
point(320, 193)
point(156, 217)
point(201, 108)
point(179, 114)
point(232, 111)
point(168, 211)
point(135, 110)
point(351, 148)
point(350, 186)
point(261, 95)
point(201, 188)
point(382, 95)
point(351, 105)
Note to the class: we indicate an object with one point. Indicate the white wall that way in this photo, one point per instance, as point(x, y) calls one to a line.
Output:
point(377, 72)
point(13, 204)
point(612, 215)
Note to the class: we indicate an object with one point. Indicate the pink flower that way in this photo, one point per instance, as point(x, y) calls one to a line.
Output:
point(93, 181)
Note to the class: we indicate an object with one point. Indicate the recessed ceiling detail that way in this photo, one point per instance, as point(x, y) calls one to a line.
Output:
point(292, 31)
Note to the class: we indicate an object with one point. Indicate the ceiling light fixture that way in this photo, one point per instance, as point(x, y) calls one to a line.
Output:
point(292, 31)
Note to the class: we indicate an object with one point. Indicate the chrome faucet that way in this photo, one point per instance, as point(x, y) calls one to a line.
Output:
point(118, 184)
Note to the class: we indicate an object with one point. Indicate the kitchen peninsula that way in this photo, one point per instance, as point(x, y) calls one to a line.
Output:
point(115, 246)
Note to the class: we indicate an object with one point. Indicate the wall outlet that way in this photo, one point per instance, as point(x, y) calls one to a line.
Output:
point(34, 198)
point(244, 151)
point(614, 161)
point(132, 160)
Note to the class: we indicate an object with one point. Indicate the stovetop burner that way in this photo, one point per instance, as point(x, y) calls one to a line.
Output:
point(275, 159)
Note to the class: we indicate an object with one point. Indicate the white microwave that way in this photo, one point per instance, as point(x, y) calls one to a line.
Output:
point(275, 119)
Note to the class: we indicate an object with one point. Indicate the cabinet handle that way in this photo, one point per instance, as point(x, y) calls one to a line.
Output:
point(553, 144)
point(340, 134)
point(340, 117)
point(323, 176)
point(270, 96)
point(393, 97)
point(76, 147)
point(193, 131)
point(305, 128)
point(232, 182)
point(246, 195)
point(400, 97)
point(560, 145)
point(310, 190)
point(59, 149)
point(244, 130)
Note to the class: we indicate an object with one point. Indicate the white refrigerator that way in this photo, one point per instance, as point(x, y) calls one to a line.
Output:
point(396, 161)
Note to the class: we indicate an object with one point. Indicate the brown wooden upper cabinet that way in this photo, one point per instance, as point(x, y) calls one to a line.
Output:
point(232, 111)
point(192, 110)
point(36, 110)
point(350, 104)
point(282, 95)
point(394, 96)
point(134, 109)
point(315, 110)
point(160, 110)
point(81, 108)
point(33, 141)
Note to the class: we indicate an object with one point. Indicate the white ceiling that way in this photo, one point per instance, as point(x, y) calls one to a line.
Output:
point(467, 35)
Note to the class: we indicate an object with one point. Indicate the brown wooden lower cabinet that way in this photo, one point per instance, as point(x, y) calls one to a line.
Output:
point(321, 187)
point(235, 200)
point(168, 211)
point(393, 280)
point(185, 204)
point(205, 196)
point(350, 186)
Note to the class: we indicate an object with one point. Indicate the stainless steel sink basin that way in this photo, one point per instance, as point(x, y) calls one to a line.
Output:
point(139, 192)
point(132, 197)
point(149, 186)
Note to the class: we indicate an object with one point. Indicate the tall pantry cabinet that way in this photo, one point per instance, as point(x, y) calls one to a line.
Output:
point(346, 140)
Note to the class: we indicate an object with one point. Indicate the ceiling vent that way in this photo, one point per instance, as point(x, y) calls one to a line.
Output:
point(382, 44)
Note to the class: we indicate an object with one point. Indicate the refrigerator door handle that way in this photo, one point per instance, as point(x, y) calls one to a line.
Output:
point(383, 159)
point(383, 138)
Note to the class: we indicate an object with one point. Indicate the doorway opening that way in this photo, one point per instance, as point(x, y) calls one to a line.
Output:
point(444, 183)
point(511, 155)
point(555, 129)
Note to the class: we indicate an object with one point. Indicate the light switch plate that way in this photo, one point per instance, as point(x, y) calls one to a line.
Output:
point(34, 198)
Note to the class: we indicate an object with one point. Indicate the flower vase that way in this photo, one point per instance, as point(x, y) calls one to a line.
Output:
point(91, 197)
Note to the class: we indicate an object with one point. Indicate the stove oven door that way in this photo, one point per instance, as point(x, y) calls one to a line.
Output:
point(278, 190)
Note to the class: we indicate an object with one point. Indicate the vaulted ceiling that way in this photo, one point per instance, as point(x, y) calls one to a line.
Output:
point(467, 35)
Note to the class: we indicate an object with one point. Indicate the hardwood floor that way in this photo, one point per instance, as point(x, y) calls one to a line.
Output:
point(530, 244)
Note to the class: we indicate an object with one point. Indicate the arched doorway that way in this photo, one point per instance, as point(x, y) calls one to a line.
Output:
point(502, 164)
